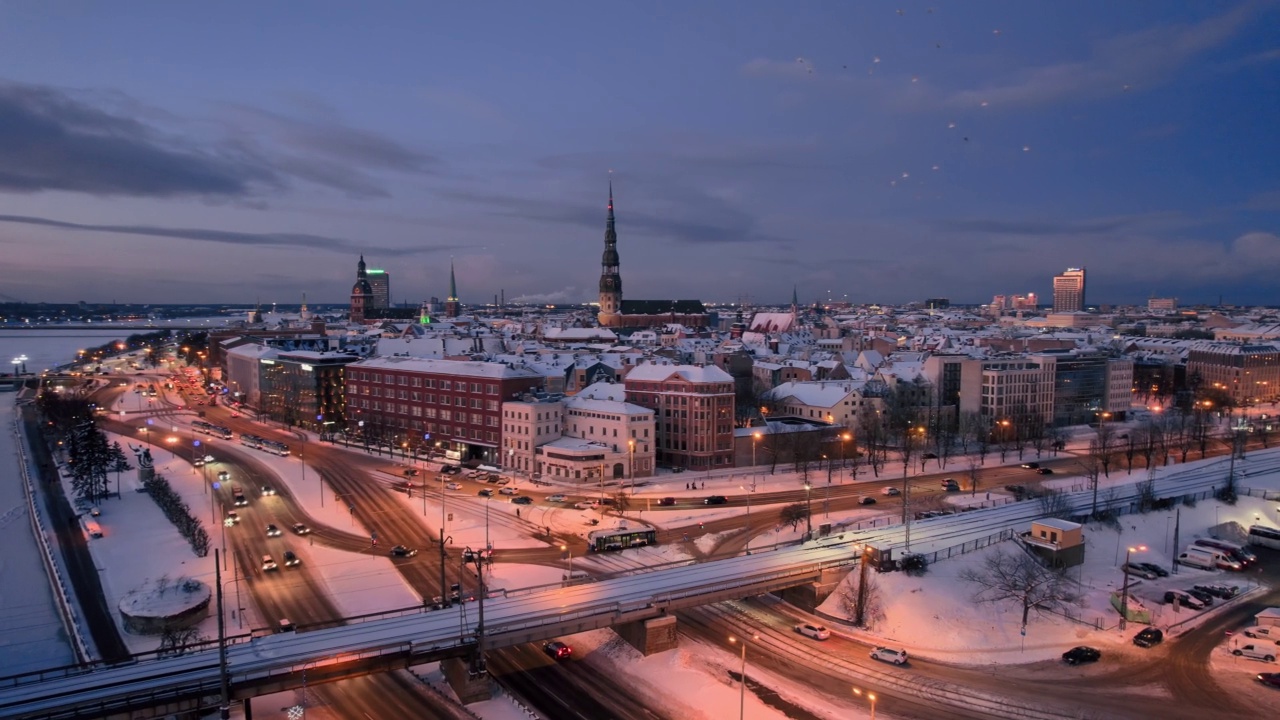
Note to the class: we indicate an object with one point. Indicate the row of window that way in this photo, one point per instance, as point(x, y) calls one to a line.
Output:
point(416, 381)
point(429, 398)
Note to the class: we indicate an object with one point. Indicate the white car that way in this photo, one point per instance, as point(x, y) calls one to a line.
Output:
point(1263, 632)
point(817, 632)
point(890, 491)
point(454, 486)
point(884, 654)
point(509, 490)
point(557, 498)
point(1257, 652)
point(586, 505)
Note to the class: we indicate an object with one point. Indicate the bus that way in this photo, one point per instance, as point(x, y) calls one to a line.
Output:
point(620, 539)
point(252, 441)
point(272, 446)
point(1264, 536)
point(201, 426)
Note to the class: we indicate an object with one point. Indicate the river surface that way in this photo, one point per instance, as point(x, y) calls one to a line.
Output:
point(46, 348)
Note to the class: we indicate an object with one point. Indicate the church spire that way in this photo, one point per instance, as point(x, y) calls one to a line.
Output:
point(453, 283)
point(610, 277)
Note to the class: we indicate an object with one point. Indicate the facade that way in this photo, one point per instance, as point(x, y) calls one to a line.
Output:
point(1162, 304)
point(830, 402)
point(1015, 388)
point(380, 283)
point(578, 438)
point(1248, 373)
point(1068, 291)
point(1080, 387)
point(1058, 543)
point(361, 293)
point(615, 312)
point(453, 407)
point(242, 376)
point(304, 389)
point(693, 411)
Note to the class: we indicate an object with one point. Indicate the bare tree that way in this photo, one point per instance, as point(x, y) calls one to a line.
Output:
point(1016, 576)
point(1104, 446)
point(175, 641)
point(861, 598)
point(793, 515)
point(972, 472)
point(1091, 468)
point(1054, 504)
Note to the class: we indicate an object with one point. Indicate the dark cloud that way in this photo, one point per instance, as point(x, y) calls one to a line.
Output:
point(1035, 227)
point(311, 242)
point(50, 140)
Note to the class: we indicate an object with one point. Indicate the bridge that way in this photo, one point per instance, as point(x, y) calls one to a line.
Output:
point(639, 606)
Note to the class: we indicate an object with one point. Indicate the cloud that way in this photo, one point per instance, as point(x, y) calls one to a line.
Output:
point(570, 294)
point(230, 237)
point(1142, 59)
point(1034, 227)
point(51, 140)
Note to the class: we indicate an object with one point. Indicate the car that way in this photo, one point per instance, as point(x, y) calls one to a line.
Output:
point(1226, 592)
point(268, 490)
point(240, 500)
point(290, 559)
point(486, 492)
point(890, 491)
point(667, 501)
point(1183, 599)
point(402, 551)
point(300, 529)
point(231, 518)
point(1081, 654)
point(411, 472)
point(1154, 568)
point(1265, 653)
point(223, 476)
point(269, 564)
point(453, 486)
point(1148, 637)
point(1045, 471)
point(868, 500)
point(558, 498)
point(469, 555)
point(235, 414)
point(1202, 596)
point(198, 462)
point(1031, 465)
point(715, 500)
point(930, 456)
point(1263, 632)
point(509, 490)
point(451, 470)
point(1272, 679)
point(888, 654)
point(1015, 489)
point(677, 470)
point(1136, 569)
point(286, 625)
point(273, 531)
point(950, 485)
point(586, 505)
point(522, 500)
point(817, 632)
point(557, 650)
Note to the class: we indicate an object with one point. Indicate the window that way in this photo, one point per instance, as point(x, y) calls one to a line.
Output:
point(446, 385)
point(446, 415)
point(491, 389)
point(417, 381)
point(404, 380)
point(475, 387)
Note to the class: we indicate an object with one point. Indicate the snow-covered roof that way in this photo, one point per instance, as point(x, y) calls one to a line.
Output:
point(692, 373)
point(824, 394)
point(604, 391)
point(469, 368)
point(613, 407)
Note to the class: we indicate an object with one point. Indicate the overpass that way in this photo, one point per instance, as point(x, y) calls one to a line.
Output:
point(634, 604)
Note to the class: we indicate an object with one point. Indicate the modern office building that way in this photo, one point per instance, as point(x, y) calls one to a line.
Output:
point(304, 389)
point(1248, 373)
point(1068, 291)
point(380, 283)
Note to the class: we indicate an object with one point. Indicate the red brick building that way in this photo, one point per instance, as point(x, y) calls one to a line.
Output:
point(451, 406)
point(693, 412)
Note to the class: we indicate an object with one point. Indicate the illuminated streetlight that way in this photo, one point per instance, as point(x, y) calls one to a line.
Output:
point(742, 685)
point(871, 697)
point(1124, 590)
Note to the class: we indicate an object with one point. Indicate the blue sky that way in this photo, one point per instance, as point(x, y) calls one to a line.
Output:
point(883, 152)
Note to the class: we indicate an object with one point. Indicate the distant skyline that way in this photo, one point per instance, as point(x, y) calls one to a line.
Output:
point(230, 153)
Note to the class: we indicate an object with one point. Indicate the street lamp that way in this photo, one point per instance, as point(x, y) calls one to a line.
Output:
point(565, 549)
point(631, 467)
point(871, 697)
point(808, 511)
point(748, 491)
point(742, 677)
point(1124, 590)
point(844, 440)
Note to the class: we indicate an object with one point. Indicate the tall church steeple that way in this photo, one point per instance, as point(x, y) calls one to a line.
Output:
point(610, 280)
point(451, 305)
point(361, 293)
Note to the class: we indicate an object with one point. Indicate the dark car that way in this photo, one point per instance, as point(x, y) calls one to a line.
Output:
point(1015, 489)
point(667, 501)
point(402, 551)
point(290, 559)
point(930, 456)
point(451, 470)
point(1081, 654)
point(1148, 637)
point(1031, 465)
point(1202, 596)
point(677, 469)
point(715, 500)
point(1226, 592)
point(1272, 679)
point(1159, 571)
point(522, 500)
point(1045, 471)
point(273, 531)
point(558, 650)
point(300, 529)
point(867, 501)
point(486, 492)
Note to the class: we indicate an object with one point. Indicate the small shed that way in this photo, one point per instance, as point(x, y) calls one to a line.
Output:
point(1268, 618)
point(1059, 543)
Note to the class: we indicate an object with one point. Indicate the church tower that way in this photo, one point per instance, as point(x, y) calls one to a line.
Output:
point(361, 293)
point(610, 281)
point(451, 306)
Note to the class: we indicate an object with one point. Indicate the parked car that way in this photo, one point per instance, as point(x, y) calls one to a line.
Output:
point(1183, 599)
point(1263, 632)
point(1265, 653)
point(1081, 654)
point(1272, 679)
point(522, 500)
point(402, 551)
point(1015, 489)
point(1031, 465)
point(868, 500)
point(273, 531)
point(557, 498)
point(887, 654)
point(485, 492)
point(950, 483)
point(1045, 471)
point(677, 470)
point(817, 632)
point(509, 490)
point(667, 501)
point(890, 491)
point(1202, 596)
point(1226, 592)
point(451, 470)
point(557, 650)
point(1148, 637)
point(290, 559)
point(1154, 568)
point(453, 486)
point(300, 529)
point(1140, 571)
point(715, 500)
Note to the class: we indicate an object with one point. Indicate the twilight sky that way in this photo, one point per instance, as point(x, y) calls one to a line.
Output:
point(242, 151)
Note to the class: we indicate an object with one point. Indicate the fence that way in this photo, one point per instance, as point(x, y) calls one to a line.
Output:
point(967, 547)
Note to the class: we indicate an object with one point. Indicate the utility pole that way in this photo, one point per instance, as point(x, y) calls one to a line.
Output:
point(225, 709)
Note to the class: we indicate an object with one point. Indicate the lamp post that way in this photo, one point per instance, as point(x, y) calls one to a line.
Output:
point(808, 511)
point(1124, 589)
point(871, 698)
point(844, 440)
point(565, 549)
point(742, 677)
point(748, 491)
point(631, 466)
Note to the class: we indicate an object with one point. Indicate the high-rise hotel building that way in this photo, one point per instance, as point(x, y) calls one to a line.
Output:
point(1068, 291)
